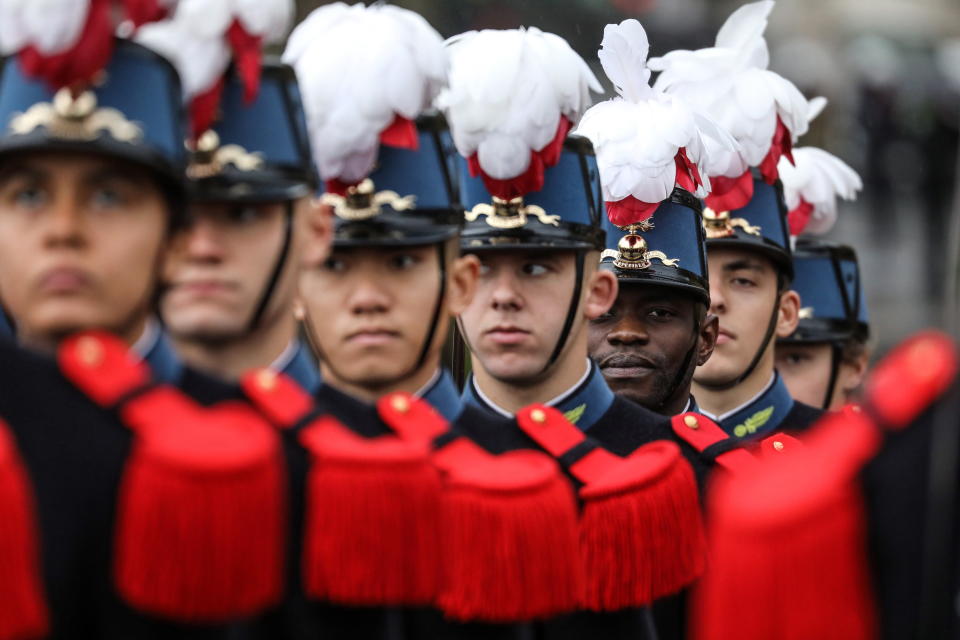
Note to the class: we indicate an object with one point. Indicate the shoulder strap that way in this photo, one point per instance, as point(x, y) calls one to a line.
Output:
point(277, 396)
point(713, 443)
point(101, 365)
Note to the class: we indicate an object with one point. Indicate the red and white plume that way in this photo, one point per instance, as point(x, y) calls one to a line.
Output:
point(513, 96)
point(365, 74)
point(812, 184)
point(647, 142)
point(203, 37)
point(68, 42)
point(730, 82)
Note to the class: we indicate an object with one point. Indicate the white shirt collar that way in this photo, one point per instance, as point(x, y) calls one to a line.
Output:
point(148, 338)
point(551, 403)
point(285, 358)
point(722, 417)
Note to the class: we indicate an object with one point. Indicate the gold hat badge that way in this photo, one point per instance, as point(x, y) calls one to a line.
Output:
point(75, 117)
point(363, 201)
point(209, 158)
point(510, 214)
point(632, 251)
point(721, 225)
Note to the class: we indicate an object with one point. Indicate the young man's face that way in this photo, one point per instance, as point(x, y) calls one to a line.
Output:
point(515, 320)
point(81, 238)
point(644, 340)
point(219, 267)
point(806, 368)
point(743, 293)
point(369, 309)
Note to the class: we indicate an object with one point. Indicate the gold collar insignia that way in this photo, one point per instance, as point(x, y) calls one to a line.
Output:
point(721, 225)
point(363, 201)
point(71, 117)
point(510, 214)
point(632, 251)
point(209, 158)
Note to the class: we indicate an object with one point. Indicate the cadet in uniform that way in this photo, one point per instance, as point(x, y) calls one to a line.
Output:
point(748, 243)
point(825, 359)
point(92, 183)
point(230, 280)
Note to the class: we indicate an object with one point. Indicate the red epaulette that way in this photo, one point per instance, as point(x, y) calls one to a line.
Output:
point(372, 506)
point(641, 535)
point(704, 435)
point(201, 515)
point(23, 612)
point(792, 530)
point(509, 553)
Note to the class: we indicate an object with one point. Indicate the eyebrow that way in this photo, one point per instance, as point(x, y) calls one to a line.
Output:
point(10, 172)
point(745, 264)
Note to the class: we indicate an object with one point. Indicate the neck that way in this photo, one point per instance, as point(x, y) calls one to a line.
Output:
point(718, 402)
point(47, 343)
point(230, 359)
point(677, 403)
point(372, 392)
point(511, 396)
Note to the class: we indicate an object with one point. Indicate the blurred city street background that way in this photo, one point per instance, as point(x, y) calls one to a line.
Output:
point(891, 71)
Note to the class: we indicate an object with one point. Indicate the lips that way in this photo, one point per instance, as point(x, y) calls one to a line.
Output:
point(621, 365)
point(372, 337)
point(725, 336)
point(507, 334)
point(63, 280)
point(203, 287)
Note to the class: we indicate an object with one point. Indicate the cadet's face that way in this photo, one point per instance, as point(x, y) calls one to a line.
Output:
point(743, 291)
point(218, 269)
point(517, 314)
point(641, 343)
point(80, 244)
point(370, 310)
point(805, 370)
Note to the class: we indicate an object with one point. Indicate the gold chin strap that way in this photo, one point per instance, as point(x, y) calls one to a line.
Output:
point(363, 201)
point(721, 225)
point(510, 214)
point(78, 118)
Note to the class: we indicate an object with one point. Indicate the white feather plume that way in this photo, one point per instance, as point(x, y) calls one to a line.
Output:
point(508, 90)
point(819, 178)
point(730, 82)
point(638, 135)
point(193, 38)
point(358, 67)
point(52, 26)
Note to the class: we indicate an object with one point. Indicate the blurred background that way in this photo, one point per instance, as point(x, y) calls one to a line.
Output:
point(891, 72)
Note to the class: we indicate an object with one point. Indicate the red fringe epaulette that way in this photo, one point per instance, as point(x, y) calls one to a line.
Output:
point(23, 610)
point(788, 548)
point(201, 514)
point(641, 534)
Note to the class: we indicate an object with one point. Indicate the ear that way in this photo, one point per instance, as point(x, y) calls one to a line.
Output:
point(464, 273)
point(709, 330)
point(852, 373)
point(319, 232)
point(789, 315)
point(602, 289)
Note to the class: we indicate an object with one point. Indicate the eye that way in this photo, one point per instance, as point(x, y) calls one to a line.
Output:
point(534, 269)
point(740, 281)
point(243, 214)
point(793, 359)
point(29, 197)
point(403, 261)
point(605, 317)
point(659, 313)
point(335, 265)
point(107, 198)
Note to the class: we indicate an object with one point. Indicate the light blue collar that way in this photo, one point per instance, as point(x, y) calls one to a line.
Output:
point(583, 405)
point(760, 416)
point(158, 352)
point(302, 368)
point(443, 396)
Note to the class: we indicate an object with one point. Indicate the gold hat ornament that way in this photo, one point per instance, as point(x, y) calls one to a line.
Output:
point(721, 225)
point(632, 251)
point(208, 158)
point(75, 118)
point(363, 201)
point(510, 214)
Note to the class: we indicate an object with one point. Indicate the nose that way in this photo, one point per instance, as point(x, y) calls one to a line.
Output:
point(718, 304)
point(368, 296)
point(202, 241)
point(506, 295)
point(66, 228)
point(628, 330)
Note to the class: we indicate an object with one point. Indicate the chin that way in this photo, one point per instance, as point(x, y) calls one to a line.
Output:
point(203, 326)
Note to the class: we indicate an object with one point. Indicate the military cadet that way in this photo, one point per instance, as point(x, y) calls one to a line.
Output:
point(658, 330)
point(748, 243)
point(230, 279)
point(533, 200)
point(92, 182)
point(825, 359)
